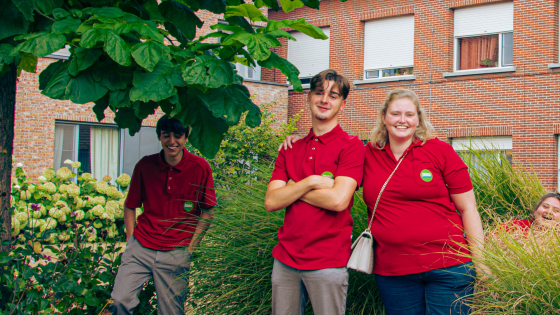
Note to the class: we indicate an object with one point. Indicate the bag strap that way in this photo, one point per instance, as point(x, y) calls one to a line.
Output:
point(381, 191)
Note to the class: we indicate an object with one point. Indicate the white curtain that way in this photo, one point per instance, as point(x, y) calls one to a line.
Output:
point(104, 152)
point(58, 141)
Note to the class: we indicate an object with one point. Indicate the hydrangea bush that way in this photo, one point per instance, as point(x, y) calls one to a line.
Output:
point(62, 202)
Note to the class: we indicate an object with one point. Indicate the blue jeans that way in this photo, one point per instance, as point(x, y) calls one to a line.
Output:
point(442, 291)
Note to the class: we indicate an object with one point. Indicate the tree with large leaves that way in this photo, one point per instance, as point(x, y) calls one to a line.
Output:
point(133, 56)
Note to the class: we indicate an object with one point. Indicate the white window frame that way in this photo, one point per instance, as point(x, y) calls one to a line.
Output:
point(243, 71)
point(380, 76)
point(502, 7)
point(456, 57)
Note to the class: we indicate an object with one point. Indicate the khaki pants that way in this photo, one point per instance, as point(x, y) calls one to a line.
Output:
point(326, 289)
point(167, 268)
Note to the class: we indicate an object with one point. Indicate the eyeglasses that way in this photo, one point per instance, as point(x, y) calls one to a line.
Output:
point(547, 207)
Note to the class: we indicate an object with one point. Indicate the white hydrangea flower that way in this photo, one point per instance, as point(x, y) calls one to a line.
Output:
point(76, 164)
point(87, 177)
point(97, 224)
point(119, 214)
point(42, 179)
point(49, 188)
point(64, 173)
point(63, 237)
point(19, 165)
point(22, 218)
point(15, 223)
point(99, 200)
point(123, 180)
point(51, 223)
point(24, 195)
point(68, 161)
point(79, 214)
point(49, 173)
point(101, 187)
point(14, 231)
point(61, 218)
point(17, 187)
point(98, 211)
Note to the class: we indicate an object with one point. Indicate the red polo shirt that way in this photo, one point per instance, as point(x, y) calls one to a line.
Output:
point(172, 197)
point(416, 227)
point(311, 237)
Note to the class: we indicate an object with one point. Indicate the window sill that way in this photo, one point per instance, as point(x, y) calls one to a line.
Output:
point(553, 65)
point(479, 71)
point(58, 56)
point(265, 82)
point(304, 86)
point(386, 79)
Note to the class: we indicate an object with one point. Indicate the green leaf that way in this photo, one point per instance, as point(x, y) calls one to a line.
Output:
point(151, 6)
point(66, 26)
point(298, 25)
point(140, 28)
point(227, 28)
point(125, 118)
point(92, 36)
point(246, 10)
point(288, 69)
point(209, 71)
point(41, 44)
point(50, 72)
point(289, 5)
point(314, 4)
point(48, 6)
point(148, 54)
point(117, 49)
point(83, 58)
point(106, 12)
point(113, 76)
point(28, 62)
point(154, 86)
point(176, 33)
point(90, 299)
point(100, 107)
point(26, 7)
point(258, 44)
point(119, 98)
point(273, 4)
point(84, 89)
point(6, 54)
point(214, 6)
point(207, 131)
point(240, 21)
point(12, 21)
point(181, 16)
point(281, 33)
point(181, 55)
point(143, 110)
point(231, 101)
point(60, 14)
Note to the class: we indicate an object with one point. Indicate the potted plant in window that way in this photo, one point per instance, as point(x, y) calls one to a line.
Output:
point(485, 63)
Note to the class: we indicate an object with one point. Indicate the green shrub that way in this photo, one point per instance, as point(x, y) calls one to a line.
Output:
point(61, 202)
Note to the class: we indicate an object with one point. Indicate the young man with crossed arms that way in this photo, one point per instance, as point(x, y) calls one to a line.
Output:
point(315, 181)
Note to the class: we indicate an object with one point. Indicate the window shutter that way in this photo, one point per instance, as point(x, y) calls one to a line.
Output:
point(484, 19)
point(389, 43)
point(143, 143)
point(482, 143)
point(309, 55)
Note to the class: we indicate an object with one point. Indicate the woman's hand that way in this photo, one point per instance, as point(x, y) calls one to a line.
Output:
point(288, 142)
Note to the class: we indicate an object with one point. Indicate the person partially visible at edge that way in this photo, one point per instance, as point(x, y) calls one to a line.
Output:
point(176, 190)
point(426, 216)
point(545, 214)
point(315, 181)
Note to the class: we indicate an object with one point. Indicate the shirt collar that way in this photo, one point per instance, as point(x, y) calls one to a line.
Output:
point(415, 143)
point(180, 166)
point(327, 137)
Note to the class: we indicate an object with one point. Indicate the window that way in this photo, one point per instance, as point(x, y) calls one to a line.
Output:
point(309, 55)
point(389, 47)
point(249, 72)
point(63, 53)
point(484, 36)
point(102, 149)
point(501, 144)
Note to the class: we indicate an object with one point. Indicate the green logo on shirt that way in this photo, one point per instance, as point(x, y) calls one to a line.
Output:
point(188, 206)
point(328, 174)
point(426, 175)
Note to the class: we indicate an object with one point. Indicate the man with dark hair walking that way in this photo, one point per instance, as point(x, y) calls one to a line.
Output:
point(315, 181)
point(176, 190)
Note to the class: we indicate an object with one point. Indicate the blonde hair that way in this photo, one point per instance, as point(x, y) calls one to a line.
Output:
point(423, 132)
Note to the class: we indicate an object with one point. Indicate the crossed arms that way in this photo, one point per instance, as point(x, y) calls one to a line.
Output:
point(319, 191)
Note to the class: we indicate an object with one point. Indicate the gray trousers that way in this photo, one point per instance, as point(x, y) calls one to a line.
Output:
point(326, 289)
point(167, 268)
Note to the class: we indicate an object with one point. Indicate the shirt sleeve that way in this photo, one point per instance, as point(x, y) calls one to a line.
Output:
point(135, 196)
point(280, 172)
point(351, 161)
point(455, 173)
point(208, 196)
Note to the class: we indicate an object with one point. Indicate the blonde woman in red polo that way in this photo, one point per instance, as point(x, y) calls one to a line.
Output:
point(426, 215)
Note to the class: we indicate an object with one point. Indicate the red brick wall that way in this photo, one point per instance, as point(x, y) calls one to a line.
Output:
point(523, 104)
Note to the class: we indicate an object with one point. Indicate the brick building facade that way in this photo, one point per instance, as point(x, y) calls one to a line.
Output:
point(37, 118)
point(515, 98)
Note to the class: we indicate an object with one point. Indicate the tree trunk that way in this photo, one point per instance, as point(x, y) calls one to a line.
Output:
point(7, 111)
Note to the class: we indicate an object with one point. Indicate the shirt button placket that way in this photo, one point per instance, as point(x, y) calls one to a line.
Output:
point(312, 151)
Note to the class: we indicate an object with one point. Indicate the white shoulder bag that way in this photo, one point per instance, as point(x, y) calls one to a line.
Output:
point(362, 250)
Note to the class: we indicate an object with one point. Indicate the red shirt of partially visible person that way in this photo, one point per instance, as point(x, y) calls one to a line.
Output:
point(172, 196)
point(416, 225)
point(314, 238)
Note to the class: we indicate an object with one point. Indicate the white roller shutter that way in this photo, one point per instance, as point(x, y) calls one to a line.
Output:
point(484, 19)
point(482, 143)
point(309, 55)
point(389, 43)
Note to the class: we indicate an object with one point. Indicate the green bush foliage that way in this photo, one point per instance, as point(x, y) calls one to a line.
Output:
point(60, 202)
